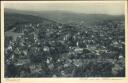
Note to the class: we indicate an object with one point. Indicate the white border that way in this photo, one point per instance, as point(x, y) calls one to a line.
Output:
point(61, 80)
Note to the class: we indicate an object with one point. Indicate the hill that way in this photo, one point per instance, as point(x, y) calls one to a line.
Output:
point(11, 20)
point(73, 18)
point(79, 18)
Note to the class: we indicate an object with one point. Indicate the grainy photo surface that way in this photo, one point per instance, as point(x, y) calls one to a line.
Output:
point(71, 39)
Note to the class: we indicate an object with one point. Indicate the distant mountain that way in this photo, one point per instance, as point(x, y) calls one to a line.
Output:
point(66, 17)
point(12, 19)
point(80, 19)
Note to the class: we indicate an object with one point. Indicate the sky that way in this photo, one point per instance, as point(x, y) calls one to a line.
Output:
point(87, 7)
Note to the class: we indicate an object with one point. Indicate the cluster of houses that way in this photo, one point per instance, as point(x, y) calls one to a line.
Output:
point(57, 49)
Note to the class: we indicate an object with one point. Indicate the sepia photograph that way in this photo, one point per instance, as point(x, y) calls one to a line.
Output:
point(64, 39)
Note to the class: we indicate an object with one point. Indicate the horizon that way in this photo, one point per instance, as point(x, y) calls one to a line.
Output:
point(109, 8)
point(64, 11)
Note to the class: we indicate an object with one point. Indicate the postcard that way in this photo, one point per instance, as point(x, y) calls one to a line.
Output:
point(64, 41)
